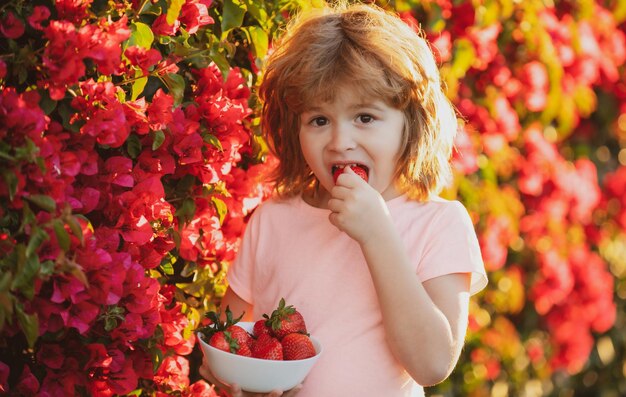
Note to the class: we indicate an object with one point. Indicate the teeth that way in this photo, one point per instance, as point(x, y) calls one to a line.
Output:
point(342, 166)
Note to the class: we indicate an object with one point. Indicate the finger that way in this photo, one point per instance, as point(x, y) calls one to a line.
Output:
point(349, 178)
point(235, 391)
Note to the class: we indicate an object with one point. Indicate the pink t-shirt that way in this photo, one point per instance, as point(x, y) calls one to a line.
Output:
point(290, 249)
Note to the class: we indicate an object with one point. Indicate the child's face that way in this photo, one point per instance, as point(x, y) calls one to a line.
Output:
point(353, 130)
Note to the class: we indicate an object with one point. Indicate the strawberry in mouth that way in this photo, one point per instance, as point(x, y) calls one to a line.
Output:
point(358, 169)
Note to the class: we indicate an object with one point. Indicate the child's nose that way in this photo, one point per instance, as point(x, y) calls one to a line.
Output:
point(342, 139)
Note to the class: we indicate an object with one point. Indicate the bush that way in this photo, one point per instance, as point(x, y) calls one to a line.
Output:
point(130, 158)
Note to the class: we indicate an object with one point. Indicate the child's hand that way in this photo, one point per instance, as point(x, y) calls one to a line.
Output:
point(356, 207)
point(235, 390)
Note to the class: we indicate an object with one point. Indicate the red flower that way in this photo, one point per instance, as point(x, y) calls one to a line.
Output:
point(160, 110)
point(173, 373)
point(74, 11)
point(195, 14)
point(109, 371)
point(104, 46)
point(40, 14)
point(11, 26)
point(63, 56)
point(143, 58)
point(161, 27)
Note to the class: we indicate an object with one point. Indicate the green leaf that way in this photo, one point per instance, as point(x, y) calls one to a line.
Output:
point(46, 103)
point(260, 41)
point(187, 210)
point(159, 138)
point(213, 140)
point(29, 324)
point(233, 14)
point(176, 85)
point(257, 13)
point(37, 237)
point(167, 268)
point(63, 236)
point(133, 146)
point(141, 35)
point(220, 207)
point(173, 11)
point(11, 182)
point(42, 201)
point(76, 228)
point(138, 86)
point(24, 279)
point(220, 61)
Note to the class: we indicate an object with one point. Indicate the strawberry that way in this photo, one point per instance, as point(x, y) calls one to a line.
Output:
point(359, 170)
point(285, 320)
point(260, 328)
point(242, 339)
point(221, 341)
point(267, 348)
point(297, 347)
point(227, 336)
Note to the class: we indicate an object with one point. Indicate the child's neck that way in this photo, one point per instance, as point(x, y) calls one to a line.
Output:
point(316, 196)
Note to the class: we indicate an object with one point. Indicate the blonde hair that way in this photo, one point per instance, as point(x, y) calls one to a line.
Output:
point(375, 51)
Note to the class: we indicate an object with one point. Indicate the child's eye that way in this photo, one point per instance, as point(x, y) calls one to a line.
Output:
point(319, 121)
point(365, 118)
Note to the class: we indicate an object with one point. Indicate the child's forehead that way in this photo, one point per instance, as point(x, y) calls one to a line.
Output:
point(357, 93)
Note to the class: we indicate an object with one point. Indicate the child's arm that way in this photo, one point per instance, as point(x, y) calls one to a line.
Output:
point(425, 323)
point(237, 306)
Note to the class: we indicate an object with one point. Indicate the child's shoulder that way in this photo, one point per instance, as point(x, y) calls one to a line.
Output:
point(433, 204)
point(276, 204)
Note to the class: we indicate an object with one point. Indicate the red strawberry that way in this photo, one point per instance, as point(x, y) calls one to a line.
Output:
point(285, 320)
point(221, 341)
point(260, 328)
point(359, 170)
point(267, 348)
point(225, 335)
point(242, 338)
point(297, 347)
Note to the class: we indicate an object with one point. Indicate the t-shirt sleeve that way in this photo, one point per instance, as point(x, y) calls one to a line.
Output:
point(240, 274)
point(453, 248)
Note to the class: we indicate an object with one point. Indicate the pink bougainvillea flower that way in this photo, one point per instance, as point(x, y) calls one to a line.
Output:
point(75, 11)
point(118, 171)
point(27, 384)
point(105, 42)
point(3, 69)
point(173, 373)
point(109, 371)
point(160, 110)
point(189, 149)
point(200, 389)
point(11, 26)
point(136, 116)
point(173, 326)
point(39, 15)
point(21, 116)
point(193, 15)
point(5, 371)
point(63, 56)
point(143, 58)
point(161, 27)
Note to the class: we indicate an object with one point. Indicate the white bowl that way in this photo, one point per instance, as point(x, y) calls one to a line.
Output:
point(254, 374)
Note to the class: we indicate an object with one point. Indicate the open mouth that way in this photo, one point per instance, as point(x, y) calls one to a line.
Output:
point(358, 169)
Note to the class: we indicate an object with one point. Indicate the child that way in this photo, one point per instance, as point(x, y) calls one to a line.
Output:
point(380, 268)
